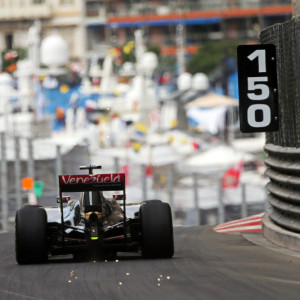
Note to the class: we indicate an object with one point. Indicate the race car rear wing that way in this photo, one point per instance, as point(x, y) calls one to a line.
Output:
point(81, 183)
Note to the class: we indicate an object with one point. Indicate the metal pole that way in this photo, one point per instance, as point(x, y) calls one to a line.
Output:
point(221, 212)
point(83, 33)
point(58, 164)
point(295, 8)
point(261, 20)
point(144, 183)
point(4, 195)
point(30, 165)
point(117, 164)
point(30, 170)
point(170, 188)
point(244, 202)
point(1, 63)
point(180, 43)
point(196, 199)
point(18, 173)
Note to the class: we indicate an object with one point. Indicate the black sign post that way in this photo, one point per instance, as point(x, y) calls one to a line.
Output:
point(258, 92)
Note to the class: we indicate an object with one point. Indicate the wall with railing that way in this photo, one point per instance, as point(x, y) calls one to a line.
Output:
point(129, 8)
point(18, 9)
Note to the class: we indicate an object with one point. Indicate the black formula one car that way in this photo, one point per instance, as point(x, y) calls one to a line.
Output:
point(93, 226)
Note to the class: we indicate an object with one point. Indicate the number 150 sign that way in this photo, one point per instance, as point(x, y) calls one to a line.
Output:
point(258, 90)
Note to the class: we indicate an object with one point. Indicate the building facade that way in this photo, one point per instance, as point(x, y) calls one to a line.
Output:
point(91, 27)
point(65, 17)
point(203, 20)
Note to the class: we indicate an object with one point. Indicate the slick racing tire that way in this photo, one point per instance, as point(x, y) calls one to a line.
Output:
point(31, 235)
point(152, 201)
point(156, 230)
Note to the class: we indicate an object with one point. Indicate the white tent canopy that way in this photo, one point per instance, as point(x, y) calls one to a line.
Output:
point(219, 158)
point(159, 155)
point(212, 100)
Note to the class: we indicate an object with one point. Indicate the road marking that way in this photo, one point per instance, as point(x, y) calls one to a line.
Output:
point(16, 294)
point(249, 224)
point(242, 223)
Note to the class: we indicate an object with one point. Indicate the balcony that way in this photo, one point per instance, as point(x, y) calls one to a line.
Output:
point(20, 10)
point(180, 7)
point(98, 50)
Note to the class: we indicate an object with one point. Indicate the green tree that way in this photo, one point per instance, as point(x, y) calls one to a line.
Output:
point(128, 51)
point(210, 56)
point(21, 53)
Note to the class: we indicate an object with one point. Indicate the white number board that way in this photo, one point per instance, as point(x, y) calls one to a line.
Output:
point(258, 92)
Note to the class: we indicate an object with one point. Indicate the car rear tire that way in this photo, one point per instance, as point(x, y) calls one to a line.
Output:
point(152, 201)
point(156, 230)
point(31, 235)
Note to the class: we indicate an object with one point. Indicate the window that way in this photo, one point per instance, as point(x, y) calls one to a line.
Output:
point(66, 1)
point(9, 41)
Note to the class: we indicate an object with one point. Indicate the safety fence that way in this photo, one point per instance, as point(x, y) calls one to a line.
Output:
point(19, 160)
point(196, 198)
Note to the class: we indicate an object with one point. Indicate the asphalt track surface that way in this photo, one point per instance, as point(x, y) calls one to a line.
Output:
point(206, 265)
